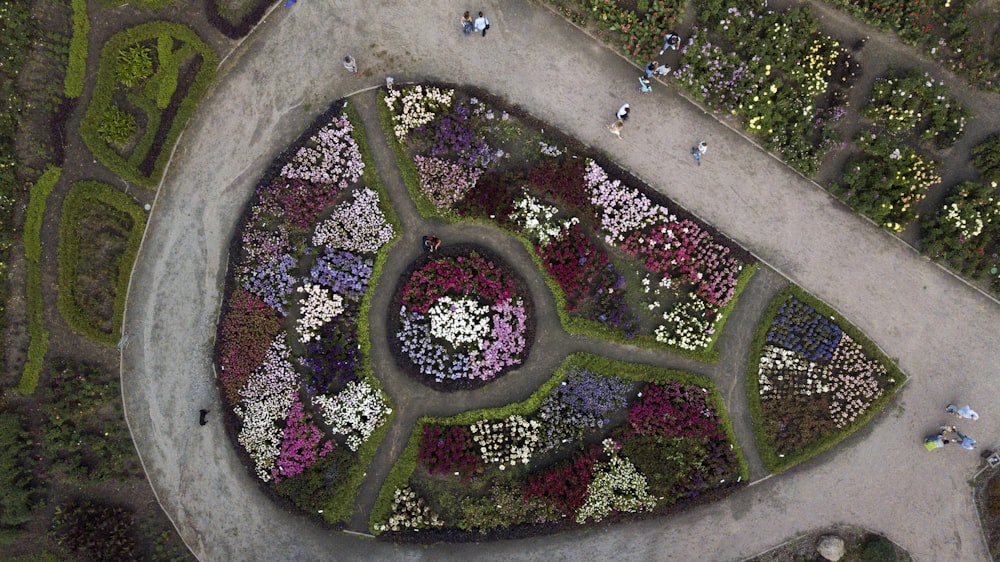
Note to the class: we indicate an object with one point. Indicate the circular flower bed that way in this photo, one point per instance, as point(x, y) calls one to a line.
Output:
point(464, 319)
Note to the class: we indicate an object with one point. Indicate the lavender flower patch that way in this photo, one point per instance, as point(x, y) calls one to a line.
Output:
point(333, 358)
point(801, 329)
point(580, 403)
point(330, 157)
point(342, 272)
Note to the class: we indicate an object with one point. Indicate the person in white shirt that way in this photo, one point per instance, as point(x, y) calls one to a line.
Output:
point(482, 24)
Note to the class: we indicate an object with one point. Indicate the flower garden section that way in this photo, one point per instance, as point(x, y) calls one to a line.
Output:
point(600, 440)
point(151, 78)
point(293, 342)
point(623, 263)
point(813, 380)
point(99, 235)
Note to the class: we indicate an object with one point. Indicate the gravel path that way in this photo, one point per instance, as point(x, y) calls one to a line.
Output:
point(943, 331)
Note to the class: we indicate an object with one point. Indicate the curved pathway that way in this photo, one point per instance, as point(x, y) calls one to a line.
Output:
point(944, 332)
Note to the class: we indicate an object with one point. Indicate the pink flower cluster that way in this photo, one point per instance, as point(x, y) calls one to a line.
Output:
point(445, 182)
point(330, 157)
point(300, 444)
point(684, 249)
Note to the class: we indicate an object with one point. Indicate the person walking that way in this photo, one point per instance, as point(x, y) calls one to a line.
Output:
point(967, 442)
point(616, 128)
point(431, 243)
point(622, 113)
point(662, 70)
point(481, 24)
point(651, 69)
point(644, 86)
point(965, 412)
point(351, 65)
point(672, 42)
point(937, 440)
point(467, 24)
point(699, 151)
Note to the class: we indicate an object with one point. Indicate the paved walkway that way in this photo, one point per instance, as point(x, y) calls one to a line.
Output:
point(943, 332)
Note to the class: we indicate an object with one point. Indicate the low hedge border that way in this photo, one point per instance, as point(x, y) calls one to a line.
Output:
point(241, 28)
point(772, 462)
point(107, 84)
point(573, 325)
point(39, 336)
point(82, 196)
point(142, 4)
point(341, 506)
point(400, 474)
point(76, 70)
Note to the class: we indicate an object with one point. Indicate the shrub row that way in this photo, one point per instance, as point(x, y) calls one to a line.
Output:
point(33, 253)
point(15, 480)
point(77, 68)
point(82, 198)
point(107, 85)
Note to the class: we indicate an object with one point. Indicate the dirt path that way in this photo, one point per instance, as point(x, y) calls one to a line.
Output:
point(943, 331)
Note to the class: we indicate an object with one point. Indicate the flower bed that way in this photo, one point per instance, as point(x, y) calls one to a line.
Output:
point(655, 277)
point(817, 380)
point(965, 232)
point(887, 183)
point(464, 319)
point(292, 351)
point(589, 445)
point(915, 102)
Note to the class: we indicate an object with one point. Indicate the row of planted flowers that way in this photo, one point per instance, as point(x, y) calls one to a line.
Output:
point(622, 263)
point(293, 337)
point(600, 439)
point(814, 379)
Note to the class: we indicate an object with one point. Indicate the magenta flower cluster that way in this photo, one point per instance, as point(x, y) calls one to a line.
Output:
point(301, 444)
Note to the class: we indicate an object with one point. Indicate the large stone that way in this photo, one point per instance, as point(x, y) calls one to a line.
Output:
point(830, 547)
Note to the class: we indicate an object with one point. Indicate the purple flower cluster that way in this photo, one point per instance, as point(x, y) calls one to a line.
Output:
point(333, 358)
point(453, 134)
point(799, 328)
point(580, 403)
point(342, 272)
point(610, 305)
point(300, 444)
point(271, 282)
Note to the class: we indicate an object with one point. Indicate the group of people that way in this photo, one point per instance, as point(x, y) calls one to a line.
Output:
point(939, 439)
point(480, 24)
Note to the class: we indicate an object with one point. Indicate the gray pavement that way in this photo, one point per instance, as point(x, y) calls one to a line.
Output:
point(943, 332)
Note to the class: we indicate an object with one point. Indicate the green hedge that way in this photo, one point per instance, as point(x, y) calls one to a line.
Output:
point(777, 464)
point(77, 68)
point(15, 481)
point(82, 197)
point(107, 86)
point(340, 507)
point(407, 462)
point(147, 4)
point(39, 344)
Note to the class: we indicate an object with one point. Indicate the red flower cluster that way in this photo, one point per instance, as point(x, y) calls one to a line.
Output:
point(472, 274)
point(565, 486)
point(674, 410)
point(446, 451)
point(575, 263)
point(247, 331)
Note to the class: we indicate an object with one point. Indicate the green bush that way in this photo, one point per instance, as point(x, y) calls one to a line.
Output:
point(117, 127)
point(77, 68)
point(965, 232)
point(39, 343)
point(83, 198)
point(15, 480)
point(96, 531)
point(107, 90)
point(986, 158)
point(167, 73)
point(877, 548)
point(134, 65)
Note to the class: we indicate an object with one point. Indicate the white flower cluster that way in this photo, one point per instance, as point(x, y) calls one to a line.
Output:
point(623, 209)
point(459, 321)
point(416, 106)
point(618, 486)
point(689, 325)
point(409, 511)
point(953, 214)
point(357, 411)
point(265, 401)
point(536, 218)
point(316, 309)
point(507, 441)
point(357, 226)
point(785, 373)
point(331, 157)
point(549, 149)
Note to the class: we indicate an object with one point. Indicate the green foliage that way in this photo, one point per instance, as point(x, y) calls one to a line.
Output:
point(117, 126)
point(167, 73)
point(888, 182)
point(86, 438)
point(986, 158)
point(877, 548)
point(966, 230)
point(147, 4)
point(774, 462)
point(134, 65)
point(77, 68)
point(15, 479)
point(317, 488)
point(92, 530)
point(136, 167)
point(39, 344)
point(916, 102)
point(83, 199)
